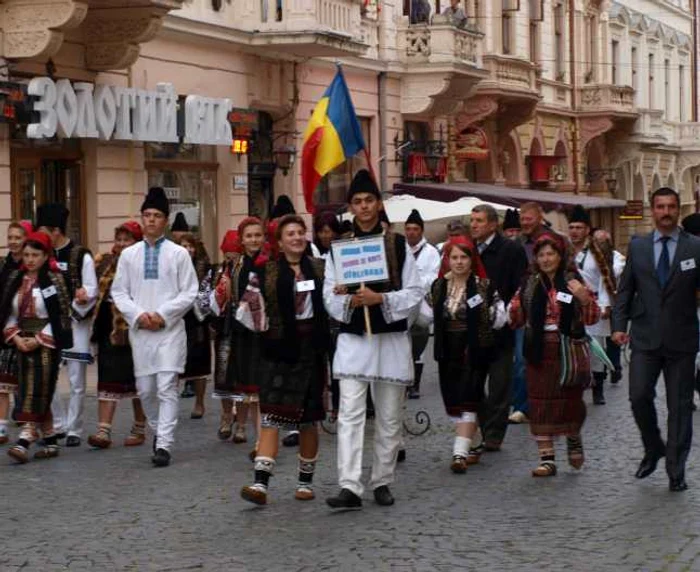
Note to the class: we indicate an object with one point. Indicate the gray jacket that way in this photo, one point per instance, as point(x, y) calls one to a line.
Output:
point(660, 317)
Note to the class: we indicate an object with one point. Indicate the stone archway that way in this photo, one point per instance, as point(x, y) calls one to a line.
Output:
point(512, 161)
point(638, 187)
point(656, 182)
point(595, 165)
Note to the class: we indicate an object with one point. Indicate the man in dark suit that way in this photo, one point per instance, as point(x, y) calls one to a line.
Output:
point(658, 295)
point(505, 262)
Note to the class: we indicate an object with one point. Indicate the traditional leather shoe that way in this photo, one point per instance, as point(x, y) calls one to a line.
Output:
point(304, 493)
point(474, 455)
point(383, 496)
point(346, 499)
point(4, 439)
point(677, 485)
point(161, 458)
point(225, 428)
point(99, 441)
point(48, 452)
point(73, 441)
point(648, 465)
point(134, 439)
point(19, 453)
point(401, 457)
point(291, 440)
point(254, 494)
point(459, 465)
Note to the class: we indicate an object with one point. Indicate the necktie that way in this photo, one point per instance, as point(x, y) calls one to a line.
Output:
point(481, 247)
point(663, 268)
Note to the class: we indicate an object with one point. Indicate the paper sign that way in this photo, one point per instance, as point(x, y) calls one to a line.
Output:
point(360, 260)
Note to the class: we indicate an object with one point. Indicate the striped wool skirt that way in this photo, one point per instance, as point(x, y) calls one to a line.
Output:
point(8, 369)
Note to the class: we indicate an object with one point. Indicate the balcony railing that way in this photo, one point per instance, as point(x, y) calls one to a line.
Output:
point(605, 97)
point(510, 73)
point(440, 43)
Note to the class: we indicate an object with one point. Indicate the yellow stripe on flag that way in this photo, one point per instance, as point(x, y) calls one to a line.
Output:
point(330, 151)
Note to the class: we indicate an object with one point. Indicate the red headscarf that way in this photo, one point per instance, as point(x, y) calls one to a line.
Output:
point(44, 241)
point(464, 243)
point(230, 242)
point(133, 228)
point(27, 226)
point(248, 221)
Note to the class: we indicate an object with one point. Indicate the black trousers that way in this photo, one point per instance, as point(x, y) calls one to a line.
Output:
point(493, 415)
point(679, 375)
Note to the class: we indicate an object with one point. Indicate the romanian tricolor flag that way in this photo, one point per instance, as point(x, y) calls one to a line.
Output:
point(332, 136)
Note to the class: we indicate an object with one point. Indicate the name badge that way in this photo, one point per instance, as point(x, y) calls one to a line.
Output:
point(306, 286)
point(36, 292)
point(688, 264)
point(48, 292)
point(62, 266)
point(474, 301)
point(580, 257)
point(564, 297)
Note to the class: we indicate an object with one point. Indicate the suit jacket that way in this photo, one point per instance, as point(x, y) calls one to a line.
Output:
point(506, 264)
point(661, 317)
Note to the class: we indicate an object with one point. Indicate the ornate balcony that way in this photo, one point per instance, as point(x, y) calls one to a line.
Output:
point(614, 100)
point(307, 28)
point(649, 127)
point(111, 30)
point(442, 65)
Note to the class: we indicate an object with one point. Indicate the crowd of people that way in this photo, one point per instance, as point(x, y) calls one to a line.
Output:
point(520, 315)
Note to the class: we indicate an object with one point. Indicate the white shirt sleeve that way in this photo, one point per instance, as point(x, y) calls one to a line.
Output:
point(430, 266)
point(399, 305)
point(603, 295)
point(187, 288)
point(121, 291)
point(89, 279)
point(337, 305)
point(618, 264)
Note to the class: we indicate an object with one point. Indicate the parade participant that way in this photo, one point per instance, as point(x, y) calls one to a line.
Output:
point(691, 225)
point(616, 264)
point(554, 306)
point(505, 262)
point(293, 366)
point(179, 227)
point(16, 233)
point(467, 309)
point(428, 264)
point(115, 363)
point(511, 224)
point(454, 228)
point(35, 314)
point(658, 295)
point(591, 264)
point(198, 365)
point(237, 377)
point(78, 268)
point(155, 286)
point(381, 359)
point(223, 389)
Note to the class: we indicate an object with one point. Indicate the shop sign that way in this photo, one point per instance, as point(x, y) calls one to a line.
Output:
point(173, 193)
point(633, 210)
point(244, 122)
point(14, 104)
point(472, 144)
point(240, 182)
point(85, 110)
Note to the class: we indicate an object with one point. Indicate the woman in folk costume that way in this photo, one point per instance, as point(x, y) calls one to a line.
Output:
point(555, 306)
point(115, 363)
point(467, 310)
point(16, 233)
point(198, 366)
point(293, 369)
point(239, 354)
point(35, 314)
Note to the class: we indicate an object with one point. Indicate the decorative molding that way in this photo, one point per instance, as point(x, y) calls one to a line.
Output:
point(592, 127)
point(475, 109)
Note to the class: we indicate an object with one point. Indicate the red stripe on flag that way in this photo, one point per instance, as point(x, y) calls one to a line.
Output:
point(309, 176)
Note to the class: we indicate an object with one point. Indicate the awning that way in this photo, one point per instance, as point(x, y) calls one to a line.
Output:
point(448, 192)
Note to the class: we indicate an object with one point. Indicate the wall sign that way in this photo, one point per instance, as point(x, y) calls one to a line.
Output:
point(633, 210)
point(85, 110)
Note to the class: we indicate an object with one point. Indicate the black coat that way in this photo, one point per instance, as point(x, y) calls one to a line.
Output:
point(506, 264)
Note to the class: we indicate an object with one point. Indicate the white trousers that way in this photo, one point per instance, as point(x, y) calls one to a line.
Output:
point(70, 420)
point(388, 408)
point(159, 397)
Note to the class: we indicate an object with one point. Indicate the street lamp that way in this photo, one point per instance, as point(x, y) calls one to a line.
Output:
point(285, 155)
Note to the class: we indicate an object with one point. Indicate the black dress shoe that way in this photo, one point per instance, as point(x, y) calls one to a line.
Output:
point(291, 440)
point(345, 499)
point(161, 458)
point(73, 441)
point(401, 457)
point(677, 485)
point(61, 435)
point(383, 496)
point(648, 465)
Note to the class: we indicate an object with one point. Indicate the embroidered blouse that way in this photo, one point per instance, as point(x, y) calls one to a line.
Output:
point(30, 302)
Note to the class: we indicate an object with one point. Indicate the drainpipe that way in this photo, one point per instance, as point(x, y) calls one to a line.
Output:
point(383, 152)
point(574, 95)
point(694, 59)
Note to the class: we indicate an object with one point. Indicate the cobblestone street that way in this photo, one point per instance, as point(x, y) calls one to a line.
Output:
point(111, 510)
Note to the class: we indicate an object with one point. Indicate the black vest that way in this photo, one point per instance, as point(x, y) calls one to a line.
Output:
point(70, 259)
point(395, 245)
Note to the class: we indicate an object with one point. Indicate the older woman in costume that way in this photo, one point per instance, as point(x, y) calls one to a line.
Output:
point(467, 310)
point(198, 365)
point(35, 316)
point(16, 233)
point(115, 364)
point(238, 356)
point(293, 368)
point(554, 306)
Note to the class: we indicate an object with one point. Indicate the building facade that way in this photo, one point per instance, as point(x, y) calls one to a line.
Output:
point(557, 95)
